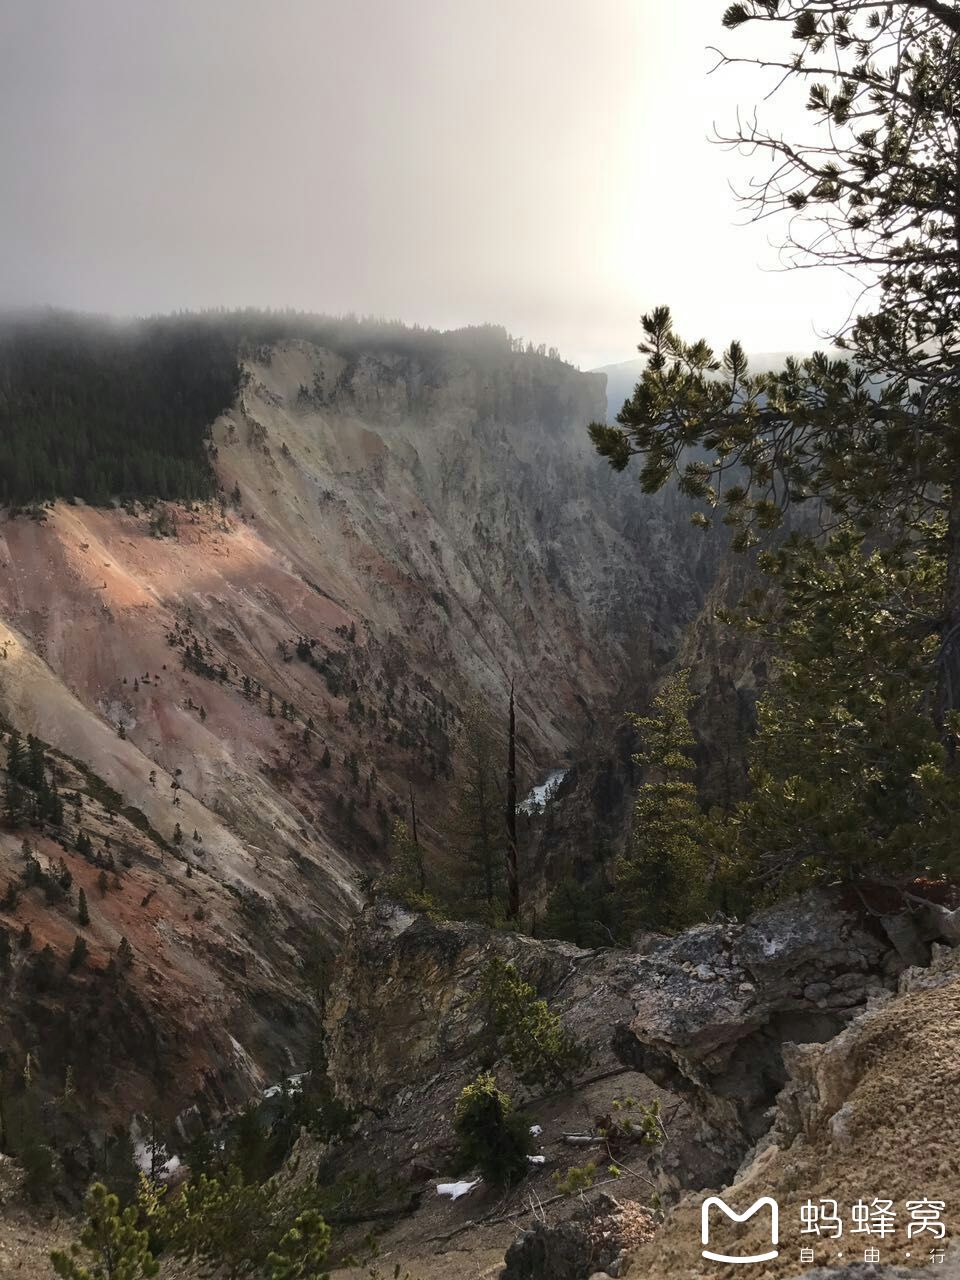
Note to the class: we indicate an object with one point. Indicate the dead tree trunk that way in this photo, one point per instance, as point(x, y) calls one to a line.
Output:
point(421, 868)
point(513, 871)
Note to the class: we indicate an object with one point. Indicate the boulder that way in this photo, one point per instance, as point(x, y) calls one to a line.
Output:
point(713, 1007)
point(597, 1237)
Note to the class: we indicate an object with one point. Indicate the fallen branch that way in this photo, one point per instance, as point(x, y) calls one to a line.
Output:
point(580, 1084)
point(492, 1219)
point(354, 1219)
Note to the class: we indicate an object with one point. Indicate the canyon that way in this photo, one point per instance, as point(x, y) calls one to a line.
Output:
point(239, 696)
point(234, 700)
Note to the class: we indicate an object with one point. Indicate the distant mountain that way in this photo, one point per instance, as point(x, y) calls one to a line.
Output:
point(623, 377)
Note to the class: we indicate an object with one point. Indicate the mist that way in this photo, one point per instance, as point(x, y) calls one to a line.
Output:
point(544, 166)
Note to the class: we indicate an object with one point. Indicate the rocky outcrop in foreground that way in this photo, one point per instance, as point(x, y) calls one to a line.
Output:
point(797, 1048)
point(704, 1016)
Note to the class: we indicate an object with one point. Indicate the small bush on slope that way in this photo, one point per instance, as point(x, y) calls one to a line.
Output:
point(117, 1249)
point(535, 1040)
point(493, 1138)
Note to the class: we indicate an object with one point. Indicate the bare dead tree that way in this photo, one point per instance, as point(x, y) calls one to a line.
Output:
point(421, 865)
point(513, 868)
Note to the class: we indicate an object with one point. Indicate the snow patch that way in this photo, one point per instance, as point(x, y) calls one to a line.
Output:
point(457, 1189)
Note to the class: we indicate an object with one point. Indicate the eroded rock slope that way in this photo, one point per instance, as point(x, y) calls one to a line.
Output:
point(275, 671)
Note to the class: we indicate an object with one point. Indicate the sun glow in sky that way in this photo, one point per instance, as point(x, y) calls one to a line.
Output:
point(543, 164)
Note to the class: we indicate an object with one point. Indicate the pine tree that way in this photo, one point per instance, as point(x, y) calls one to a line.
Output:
point(874, 442)
point(302, 1250)
point(851, 779)
point(52, 806)
point(83, 914)
point(663, 877)
point(475, 827)
point(78, 954)
point(15, 758)
point(33, 771)
point(588, 914)
point(117, 1249)
point(491, 1136)
point(407, 876)
point(13, 801)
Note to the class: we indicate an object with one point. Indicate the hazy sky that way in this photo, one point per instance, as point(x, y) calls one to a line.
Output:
point(539, 163)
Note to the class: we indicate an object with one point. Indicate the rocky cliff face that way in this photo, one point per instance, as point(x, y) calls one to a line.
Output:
point(461, 507)
point(406, 533)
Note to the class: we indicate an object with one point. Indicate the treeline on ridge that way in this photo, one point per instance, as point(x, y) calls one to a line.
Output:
point(99, 409)
point(96, 409)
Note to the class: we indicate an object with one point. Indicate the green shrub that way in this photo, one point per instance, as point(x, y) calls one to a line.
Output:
point(217, 1222)
point(302, 1250)
point(228, 1227)
point(492, 1137)
point(577, 1179)
point(629, 1121)
point(535, 1040)
point(118, 1251)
